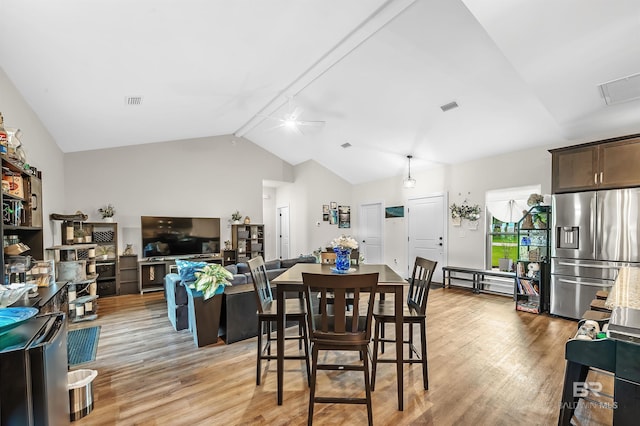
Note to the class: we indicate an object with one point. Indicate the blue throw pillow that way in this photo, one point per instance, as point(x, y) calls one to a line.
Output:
point(187, 269)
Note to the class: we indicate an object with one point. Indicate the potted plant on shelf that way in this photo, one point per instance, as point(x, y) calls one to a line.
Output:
point(235, 217)
point(107, 212)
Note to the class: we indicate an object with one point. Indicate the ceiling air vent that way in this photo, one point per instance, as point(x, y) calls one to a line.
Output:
point(346, 145)
point(133, 100)
point(449, 106)
point(621, 90)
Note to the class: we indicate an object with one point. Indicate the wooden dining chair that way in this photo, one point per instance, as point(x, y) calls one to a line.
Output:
point(334, 328)
point(267, 309)
point(414, 313)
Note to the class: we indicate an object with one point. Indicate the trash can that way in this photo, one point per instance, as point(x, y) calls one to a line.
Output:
point(80, 385)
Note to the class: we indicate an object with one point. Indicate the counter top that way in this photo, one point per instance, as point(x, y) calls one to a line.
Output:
point(626, 290)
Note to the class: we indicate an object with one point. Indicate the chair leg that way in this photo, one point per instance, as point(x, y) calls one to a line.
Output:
point(300, 334)
point(306, 350)
point(259, 365)
point(367, 385)
point(374, 361)
point(423, 344)
point(382, 337)
point(312, 390)
point(268, 324)
point(411, 340)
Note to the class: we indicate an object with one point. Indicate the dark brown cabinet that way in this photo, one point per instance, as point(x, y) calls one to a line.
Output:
point(128, 274)
point(607, 164)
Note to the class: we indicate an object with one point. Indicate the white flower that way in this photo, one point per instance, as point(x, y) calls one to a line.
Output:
point(345, 242)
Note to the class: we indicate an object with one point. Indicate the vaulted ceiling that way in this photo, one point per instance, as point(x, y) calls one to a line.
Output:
point(524, 73)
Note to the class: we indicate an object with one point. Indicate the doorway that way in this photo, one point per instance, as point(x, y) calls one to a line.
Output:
point(283, 232)
point(427, 231)
point(371, 232)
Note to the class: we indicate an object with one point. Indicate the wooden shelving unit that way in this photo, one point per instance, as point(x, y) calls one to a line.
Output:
point(248, 241)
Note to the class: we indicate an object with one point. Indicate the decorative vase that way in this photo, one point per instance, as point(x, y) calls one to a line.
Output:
point(108, 219)
point(456, 221)
point(343, 259)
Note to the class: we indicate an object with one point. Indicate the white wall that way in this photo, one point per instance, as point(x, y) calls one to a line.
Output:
point(41, 150)
point(206, 177)
point(313, 186)
point(269, 216)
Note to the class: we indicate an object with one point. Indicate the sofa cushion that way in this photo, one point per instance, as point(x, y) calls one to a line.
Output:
point(272, 264)
point(187, 269)
point(232, 268)
point(243, 268)
point(238, 279)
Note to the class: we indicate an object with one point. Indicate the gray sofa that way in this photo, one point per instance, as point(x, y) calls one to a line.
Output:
point(239, 318)
point(242, 275)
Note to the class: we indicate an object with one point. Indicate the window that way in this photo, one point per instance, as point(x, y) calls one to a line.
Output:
point(504, 209)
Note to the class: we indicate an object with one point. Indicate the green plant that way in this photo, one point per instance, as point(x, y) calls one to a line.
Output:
point(211, 280)
point(107, 211)
point(236, 215)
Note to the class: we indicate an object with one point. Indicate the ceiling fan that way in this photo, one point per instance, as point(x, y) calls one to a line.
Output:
point(291, 119)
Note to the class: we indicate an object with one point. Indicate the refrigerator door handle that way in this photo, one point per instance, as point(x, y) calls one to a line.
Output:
point(588, 265)
point(562, 280)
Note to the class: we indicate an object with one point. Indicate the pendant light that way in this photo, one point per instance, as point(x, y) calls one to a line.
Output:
point(409, 182)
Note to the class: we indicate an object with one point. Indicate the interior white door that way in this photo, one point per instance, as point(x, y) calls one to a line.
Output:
point(426, 231)
point(283, 232)
point(371, 232)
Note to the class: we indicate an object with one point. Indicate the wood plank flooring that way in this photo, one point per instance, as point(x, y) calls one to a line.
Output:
point(488, 365)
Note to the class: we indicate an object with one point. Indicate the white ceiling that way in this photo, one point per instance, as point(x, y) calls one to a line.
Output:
point(524, 72)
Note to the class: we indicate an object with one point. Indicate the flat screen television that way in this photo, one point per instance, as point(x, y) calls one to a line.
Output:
point(179, 236)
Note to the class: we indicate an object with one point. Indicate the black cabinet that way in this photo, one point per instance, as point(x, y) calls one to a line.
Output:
point(531, 287)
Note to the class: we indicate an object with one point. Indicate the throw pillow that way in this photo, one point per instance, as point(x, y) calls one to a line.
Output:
point(187, 269)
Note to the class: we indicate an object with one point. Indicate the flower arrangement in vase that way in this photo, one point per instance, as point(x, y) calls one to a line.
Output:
point(342, 247)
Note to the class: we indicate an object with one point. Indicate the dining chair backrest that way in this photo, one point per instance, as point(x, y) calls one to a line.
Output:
point(260, 283)
point(330, 321)
point(419, 284)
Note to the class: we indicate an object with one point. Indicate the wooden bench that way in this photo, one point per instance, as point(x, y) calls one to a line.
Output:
point(475, 275)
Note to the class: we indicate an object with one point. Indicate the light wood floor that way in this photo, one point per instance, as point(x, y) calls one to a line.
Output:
point(488, 365)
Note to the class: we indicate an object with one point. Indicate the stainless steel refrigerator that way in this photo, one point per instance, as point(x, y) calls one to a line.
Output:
point(594, 234)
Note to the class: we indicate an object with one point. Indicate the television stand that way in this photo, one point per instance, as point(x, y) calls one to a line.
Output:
point(153, 269)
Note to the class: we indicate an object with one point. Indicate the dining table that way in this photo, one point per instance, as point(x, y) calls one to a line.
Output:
point(290, 281)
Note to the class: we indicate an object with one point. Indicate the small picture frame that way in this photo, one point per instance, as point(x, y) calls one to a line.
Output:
point(334, 205)
point(333, 217)
point(344, 217)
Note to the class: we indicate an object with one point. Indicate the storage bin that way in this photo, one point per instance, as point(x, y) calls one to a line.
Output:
point(103, 236)
point(80, 386)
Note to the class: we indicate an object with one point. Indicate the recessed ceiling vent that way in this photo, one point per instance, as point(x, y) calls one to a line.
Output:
point(449, 106)
point(621, 90)
point(133, 100)
point(346, 145)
